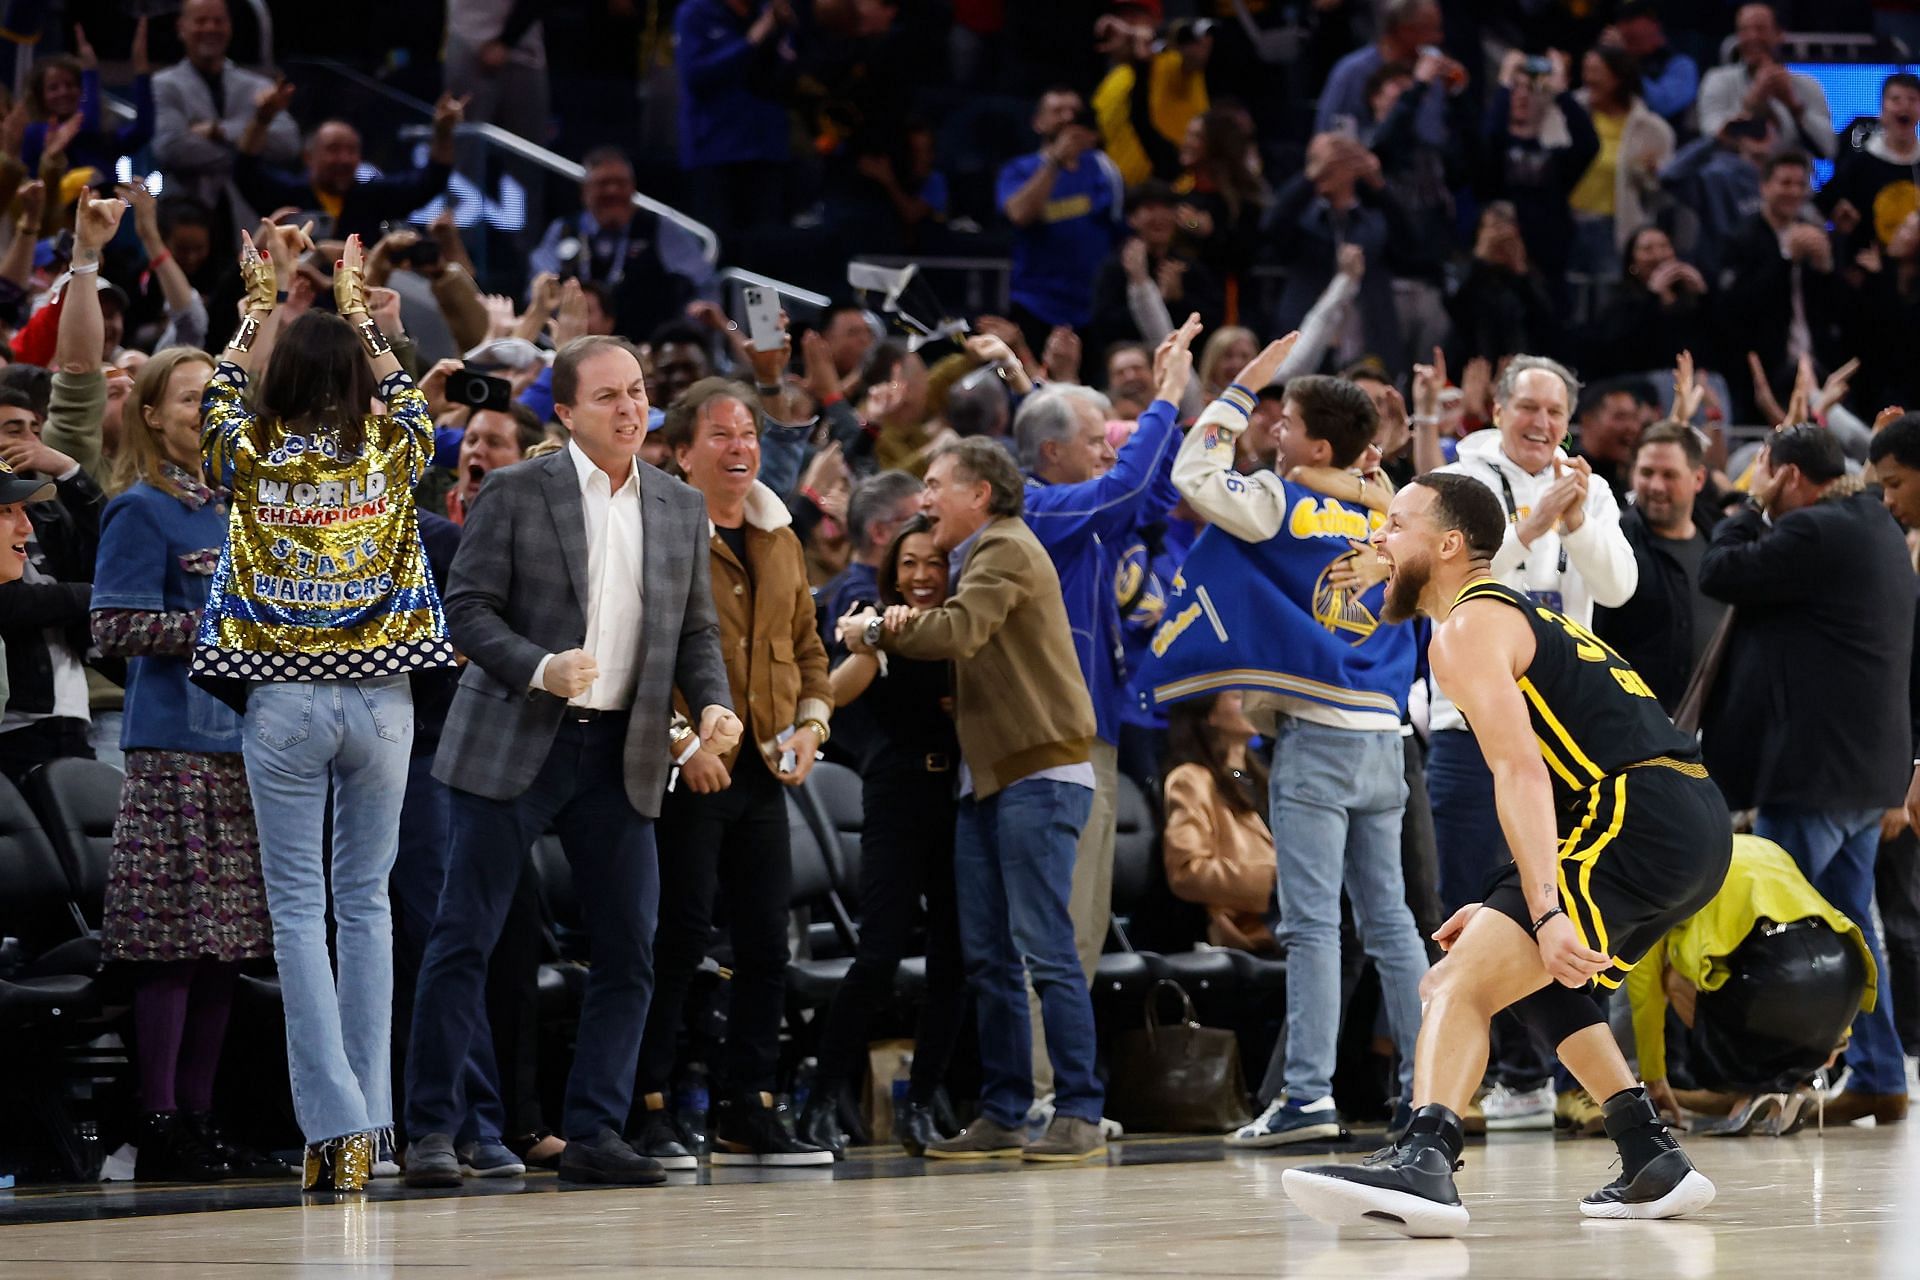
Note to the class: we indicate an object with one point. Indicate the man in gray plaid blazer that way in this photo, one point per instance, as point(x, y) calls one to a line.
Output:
point(581, 598)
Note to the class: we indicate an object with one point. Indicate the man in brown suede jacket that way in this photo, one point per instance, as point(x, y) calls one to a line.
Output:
point(1026, 727)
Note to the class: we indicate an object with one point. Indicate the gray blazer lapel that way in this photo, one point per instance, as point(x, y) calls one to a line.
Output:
point(569, 519)
point(657, 570)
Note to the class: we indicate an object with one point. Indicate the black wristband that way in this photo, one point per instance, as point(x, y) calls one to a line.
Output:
point(1557, 911)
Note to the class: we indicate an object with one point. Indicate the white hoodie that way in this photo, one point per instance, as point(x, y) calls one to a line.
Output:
point(1600, 566)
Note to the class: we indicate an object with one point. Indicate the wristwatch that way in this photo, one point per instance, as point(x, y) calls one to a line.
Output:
point(819, 727)
point(875, 629)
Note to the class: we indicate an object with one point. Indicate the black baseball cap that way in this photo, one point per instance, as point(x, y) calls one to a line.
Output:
point(16, 488)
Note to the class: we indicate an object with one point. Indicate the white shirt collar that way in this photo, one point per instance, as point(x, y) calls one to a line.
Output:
point(588, 469)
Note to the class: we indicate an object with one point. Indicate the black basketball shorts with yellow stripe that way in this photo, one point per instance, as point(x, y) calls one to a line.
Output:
point(1640, 851)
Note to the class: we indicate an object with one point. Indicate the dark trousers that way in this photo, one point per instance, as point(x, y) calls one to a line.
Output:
point(581, 795)
point(1896, 888)
point(1470, 848)
point(733, 843)
point(419, 874)
point(906, 851)
point(1419, 857)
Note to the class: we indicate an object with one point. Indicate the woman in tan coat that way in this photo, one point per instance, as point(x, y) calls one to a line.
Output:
point(1217, 847)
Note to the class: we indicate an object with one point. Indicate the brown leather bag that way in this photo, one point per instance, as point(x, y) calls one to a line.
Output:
point(1177, 1078)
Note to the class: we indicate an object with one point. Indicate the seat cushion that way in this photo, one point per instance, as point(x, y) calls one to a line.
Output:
point(57, 998)
point(814, 982)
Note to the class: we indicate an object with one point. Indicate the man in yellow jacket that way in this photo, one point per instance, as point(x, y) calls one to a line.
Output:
point(1767, 977)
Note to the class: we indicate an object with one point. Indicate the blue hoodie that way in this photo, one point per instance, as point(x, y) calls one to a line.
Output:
point(1085, 528)
point(723, 120)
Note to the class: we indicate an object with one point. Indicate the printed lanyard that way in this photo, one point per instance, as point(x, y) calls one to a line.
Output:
point(1513, 515)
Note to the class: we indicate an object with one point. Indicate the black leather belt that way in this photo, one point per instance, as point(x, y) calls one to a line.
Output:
point(583, 715)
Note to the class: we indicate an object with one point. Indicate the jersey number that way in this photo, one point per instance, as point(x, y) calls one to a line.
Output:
point(1589, 646)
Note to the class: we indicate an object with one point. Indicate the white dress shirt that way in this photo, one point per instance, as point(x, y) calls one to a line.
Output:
point(614, 542)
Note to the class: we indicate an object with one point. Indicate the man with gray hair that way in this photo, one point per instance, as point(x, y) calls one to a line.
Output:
point(1085, 503)
point(879, 506)
point(1564, 546)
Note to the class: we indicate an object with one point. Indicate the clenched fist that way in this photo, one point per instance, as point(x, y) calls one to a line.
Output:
point(570, 674)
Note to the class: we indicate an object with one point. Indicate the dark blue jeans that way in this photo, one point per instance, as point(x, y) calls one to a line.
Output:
point(580, 794)
point(1013, 870)
point(419, 874)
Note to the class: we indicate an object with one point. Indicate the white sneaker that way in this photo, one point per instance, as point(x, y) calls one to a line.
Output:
point(1913, 1079)
point(1111, 1129)
point(1509, 1110)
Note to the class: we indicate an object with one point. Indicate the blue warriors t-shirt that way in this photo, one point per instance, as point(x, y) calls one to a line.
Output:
point(1056, 258)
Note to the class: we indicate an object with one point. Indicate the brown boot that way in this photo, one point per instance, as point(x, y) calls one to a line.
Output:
point(1851, 1105)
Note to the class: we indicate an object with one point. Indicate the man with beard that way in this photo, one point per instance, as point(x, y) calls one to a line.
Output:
point(1664, 629)
point(1617, 833)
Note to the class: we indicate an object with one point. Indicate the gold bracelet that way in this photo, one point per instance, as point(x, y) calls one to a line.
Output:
point(243, 336)
point(819, 728)
point(375, 341)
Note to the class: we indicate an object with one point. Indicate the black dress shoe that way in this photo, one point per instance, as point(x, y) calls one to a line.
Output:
point(241, 1160)
point(820, 1125)
point(606, 1158)
point(914, 1126)
point(170, 1148)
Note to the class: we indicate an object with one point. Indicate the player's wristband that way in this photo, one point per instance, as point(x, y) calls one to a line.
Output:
point(1557, 911)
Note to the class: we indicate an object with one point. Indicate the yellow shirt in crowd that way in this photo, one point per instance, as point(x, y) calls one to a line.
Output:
point(1176, 97)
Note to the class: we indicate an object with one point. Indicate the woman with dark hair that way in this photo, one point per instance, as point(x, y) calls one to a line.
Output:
point(1222, 196)
point(902, 731)
point(1218, 850)
point(64, 88)
point(321, 606)
point(1663, 306)
point(185, 903)
point(1634, 144)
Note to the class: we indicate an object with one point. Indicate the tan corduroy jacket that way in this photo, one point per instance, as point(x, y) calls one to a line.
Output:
point(1020, 704)
point(776, 665)
point(1219, 857)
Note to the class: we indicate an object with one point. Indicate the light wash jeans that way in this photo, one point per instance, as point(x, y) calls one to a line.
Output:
point(1836, 850)
point(1336, 797)
point(1012, 870)
point(356, 735)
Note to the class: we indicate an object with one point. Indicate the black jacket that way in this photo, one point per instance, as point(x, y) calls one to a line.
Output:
point(66, 534)
point(1811, 707)
point(1654, 629)
point(1755, 307)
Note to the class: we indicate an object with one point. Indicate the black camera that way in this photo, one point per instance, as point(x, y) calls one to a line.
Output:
point(470, 387)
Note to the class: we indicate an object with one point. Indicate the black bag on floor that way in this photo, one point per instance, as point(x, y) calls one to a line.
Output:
point(1177, 1078)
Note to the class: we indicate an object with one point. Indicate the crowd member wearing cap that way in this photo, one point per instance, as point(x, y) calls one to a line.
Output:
point(16, 491)
point(1818, 573)
point(1065, 202)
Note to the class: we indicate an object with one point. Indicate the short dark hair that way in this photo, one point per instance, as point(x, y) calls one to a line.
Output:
point(683, 415)
point(1813, 449)
point(1900, 79)
point(1899, 440)
point(34, 380)
point(1337, 411)
point(1150, 193)
point(1675, 433)
point(1463, 503)
point(1624, 67)
point(1401, 13)
point(566, 365)
point(987, 462)
point(676, 331)
point(528, 428)
point(606, 155)
point(183, 211)
point(1625, 384)
point(15, 398)
point(1793, 156)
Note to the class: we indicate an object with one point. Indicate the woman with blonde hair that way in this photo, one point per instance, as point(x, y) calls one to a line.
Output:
point(185, 902)
point(1230, 349)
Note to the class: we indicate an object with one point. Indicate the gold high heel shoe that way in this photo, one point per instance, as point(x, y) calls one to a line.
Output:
point(353, 1162)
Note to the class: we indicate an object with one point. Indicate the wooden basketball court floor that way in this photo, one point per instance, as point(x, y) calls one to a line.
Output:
point(1845, 1203)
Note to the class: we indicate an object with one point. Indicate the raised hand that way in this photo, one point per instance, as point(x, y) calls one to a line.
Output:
point(83, 49)
point(1428, 381)
point(349, 279)
point(1763, 398)
point(61, 136)
point(95, 222)
point(1688, 389)
point(570, 321)
point(1173, 361)
point(1265, 365)
point(1835, 388)
point(269, 103)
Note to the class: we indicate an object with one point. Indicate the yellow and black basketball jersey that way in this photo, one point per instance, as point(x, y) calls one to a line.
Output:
point(1592, 713)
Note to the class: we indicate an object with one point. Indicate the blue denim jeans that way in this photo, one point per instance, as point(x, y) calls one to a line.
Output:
point(356, 736)
point(1836, 849)
point(1013, 870)
point(1336, 797)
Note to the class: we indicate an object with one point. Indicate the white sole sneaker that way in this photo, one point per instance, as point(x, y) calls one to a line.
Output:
point(1286, 1137)
point(775, 1160)
point(675, 1164)
point(1340, 1203)
point(499, 1171)
point(1690, 1195)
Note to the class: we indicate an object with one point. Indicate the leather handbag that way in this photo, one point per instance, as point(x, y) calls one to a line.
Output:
point(1177, 1077)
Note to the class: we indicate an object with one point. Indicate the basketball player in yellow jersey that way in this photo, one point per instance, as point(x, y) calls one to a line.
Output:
point(1617, 835)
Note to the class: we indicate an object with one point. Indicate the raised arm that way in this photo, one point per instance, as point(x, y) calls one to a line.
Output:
point(1478, 655)
point(350, 296)
point(82, 332)
point(1251, 508)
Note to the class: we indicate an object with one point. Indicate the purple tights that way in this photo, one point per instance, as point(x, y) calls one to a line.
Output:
point(180, 1012)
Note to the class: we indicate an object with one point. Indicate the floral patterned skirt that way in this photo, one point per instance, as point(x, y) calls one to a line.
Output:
point(185, 878)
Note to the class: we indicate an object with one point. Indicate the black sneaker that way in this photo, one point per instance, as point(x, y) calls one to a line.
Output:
point(750, 1132)
point(606, 1158)
point(1656, 1180)
point(661, 1139)
point(1408, 1187)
